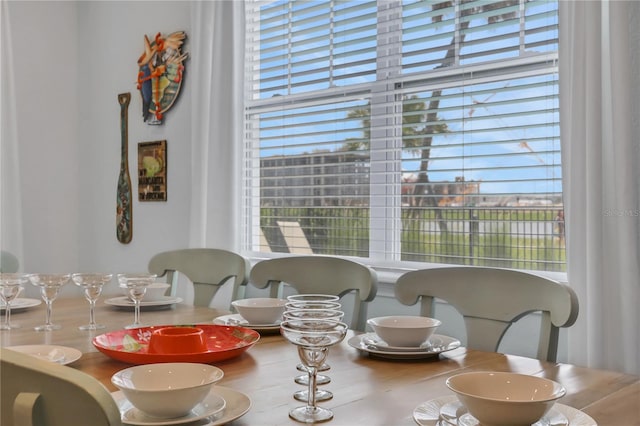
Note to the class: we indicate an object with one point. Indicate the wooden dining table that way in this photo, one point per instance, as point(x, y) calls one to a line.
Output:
point(367, 390)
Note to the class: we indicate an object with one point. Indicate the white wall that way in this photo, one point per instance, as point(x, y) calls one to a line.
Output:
point(45, 70)
point(71, 61)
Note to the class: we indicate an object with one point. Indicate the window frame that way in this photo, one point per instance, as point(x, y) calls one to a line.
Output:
point(385, 225)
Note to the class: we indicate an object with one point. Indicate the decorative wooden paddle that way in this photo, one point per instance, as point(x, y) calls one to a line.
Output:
point(124, 225)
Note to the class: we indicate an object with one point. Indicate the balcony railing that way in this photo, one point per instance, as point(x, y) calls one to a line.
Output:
point(529, 237)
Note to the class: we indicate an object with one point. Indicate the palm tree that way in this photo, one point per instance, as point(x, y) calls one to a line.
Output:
point(414, 127)
point(418, 129)
point(423, 187)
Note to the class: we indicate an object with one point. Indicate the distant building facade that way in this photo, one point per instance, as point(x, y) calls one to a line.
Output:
point(316, 179)
point(342, 178)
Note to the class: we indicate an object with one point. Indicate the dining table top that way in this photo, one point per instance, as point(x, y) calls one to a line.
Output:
point(367, 389)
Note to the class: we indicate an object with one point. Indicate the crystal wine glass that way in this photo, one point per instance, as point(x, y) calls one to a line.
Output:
point(50, 285)
point(313, 337)
point(10, 288)
point(92, 285)
point(321, 394)
point(312, 301)
point(136, 285)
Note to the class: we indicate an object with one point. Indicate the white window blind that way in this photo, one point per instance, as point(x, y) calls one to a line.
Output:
point(404, 131)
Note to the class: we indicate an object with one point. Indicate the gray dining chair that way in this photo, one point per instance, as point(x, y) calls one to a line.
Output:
point(8, 262)
point(490, 300)
point(207, 268)
point(41, 393)
point(319, 274)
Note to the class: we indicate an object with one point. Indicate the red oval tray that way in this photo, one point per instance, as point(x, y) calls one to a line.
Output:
point(130, 346)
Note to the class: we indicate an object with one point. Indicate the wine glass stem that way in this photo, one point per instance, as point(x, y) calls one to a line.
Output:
point(136, 312)
point(7, 314)
point(49, 309)
point(92, 305)
point(313, 372)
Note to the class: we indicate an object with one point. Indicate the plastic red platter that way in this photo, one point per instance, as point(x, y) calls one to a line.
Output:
point(131, 346)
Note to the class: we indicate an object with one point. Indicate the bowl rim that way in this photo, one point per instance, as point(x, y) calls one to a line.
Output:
point(558, 389)
point(242, 302)
point(432, 322)
point(121, 384)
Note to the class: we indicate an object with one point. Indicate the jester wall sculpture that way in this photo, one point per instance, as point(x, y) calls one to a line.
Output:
point(160, 75)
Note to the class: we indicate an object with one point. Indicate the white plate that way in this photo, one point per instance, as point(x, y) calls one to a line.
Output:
point(56, 354)
point(375, 342)
point(447, 411)
point(236, 319)
point(21, 303)
point(237, 406)
point(439, 344)
point(125, 302)
point(212, 406)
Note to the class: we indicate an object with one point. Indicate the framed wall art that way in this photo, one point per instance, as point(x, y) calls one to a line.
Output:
point(152, 171)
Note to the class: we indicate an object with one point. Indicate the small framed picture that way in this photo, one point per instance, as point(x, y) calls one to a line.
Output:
point(152, 171)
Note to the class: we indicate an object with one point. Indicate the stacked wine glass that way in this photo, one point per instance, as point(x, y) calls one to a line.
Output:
point(11, 285)
point(313, 323)
point(91, 285)
point(136, 287)
point(50, 285)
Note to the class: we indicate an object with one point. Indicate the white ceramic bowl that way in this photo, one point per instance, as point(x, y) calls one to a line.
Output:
point(505, 399)
point(260, 310)
point(167, 390)
point(404, 330)
point(155, 291)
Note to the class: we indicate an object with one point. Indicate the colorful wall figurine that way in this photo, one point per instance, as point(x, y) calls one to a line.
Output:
point(160, 75)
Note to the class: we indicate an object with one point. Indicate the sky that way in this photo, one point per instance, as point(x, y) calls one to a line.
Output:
point(504, 132)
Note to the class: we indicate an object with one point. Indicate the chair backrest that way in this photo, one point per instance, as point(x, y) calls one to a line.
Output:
point(207, 268)
point(320, 274)
point(491, 299)
point(40, 393)
point(8, 262)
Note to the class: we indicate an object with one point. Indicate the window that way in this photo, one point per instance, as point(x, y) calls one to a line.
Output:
point(395, 131)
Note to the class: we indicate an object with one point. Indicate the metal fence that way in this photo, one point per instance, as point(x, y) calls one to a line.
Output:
point(529, 238)
point(512, 237)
